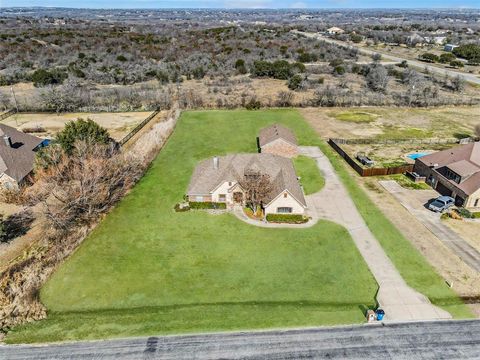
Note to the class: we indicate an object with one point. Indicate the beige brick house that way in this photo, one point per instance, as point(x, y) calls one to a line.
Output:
point(278, 140)
point(454, 172)
point(217, 180)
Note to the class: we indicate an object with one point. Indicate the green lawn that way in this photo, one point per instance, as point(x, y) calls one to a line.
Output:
point(310, 177)
point(148, 270)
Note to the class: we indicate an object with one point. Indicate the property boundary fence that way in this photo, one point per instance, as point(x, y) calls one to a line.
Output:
point(402, 141)
point(139, 127)
point(7, 114)
point(367, 171)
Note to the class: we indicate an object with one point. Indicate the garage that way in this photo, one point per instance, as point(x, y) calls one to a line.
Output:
point(442, 189)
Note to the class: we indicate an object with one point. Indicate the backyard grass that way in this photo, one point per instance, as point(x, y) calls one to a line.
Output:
point(310, 177)
point(356, 116)
point(148, 270)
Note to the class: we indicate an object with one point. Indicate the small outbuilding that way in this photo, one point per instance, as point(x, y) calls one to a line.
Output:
point(278, 140)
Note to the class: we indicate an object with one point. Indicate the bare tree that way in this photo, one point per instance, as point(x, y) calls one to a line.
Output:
point(257, 187)
point(284, 98)
point(377, 78)
point(477, 130)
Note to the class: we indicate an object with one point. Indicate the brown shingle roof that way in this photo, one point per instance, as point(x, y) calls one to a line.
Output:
point(232, 167)
point(463, 160)
point(274, 132)
point(17, 160)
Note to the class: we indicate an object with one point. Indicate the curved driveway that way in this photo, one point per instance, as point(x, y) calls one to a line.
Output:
point(333, 202)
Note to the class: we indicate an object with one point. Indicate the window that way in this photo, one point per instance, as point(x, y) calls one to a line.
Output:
point(452, 176)
point(284, 210)
point(222, 197)
point(285, 195)
point(476, 202)
point(198, 198)
point(229, 183)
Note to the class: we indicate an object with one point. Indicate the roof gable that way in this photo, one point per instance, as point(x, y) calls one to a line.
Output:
point(274, 132)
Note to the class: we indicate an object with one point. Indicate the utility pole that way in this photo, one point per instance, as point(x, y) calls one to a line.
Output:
point(16, 105)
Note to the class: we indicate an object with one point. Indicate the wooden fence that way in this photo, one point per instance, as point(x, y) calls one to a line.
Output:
point(7, 114)
point(137, 128)
point(368, 171)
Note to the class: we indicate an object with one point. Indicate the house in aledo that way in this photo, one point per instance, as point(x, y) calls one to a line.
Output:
point(454, 172)
point(17, 156)
point(219, 180)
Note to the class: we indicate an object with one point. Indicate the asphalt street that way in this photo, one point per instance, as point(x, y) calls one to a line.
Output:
point(420, 340)
point(415, 63)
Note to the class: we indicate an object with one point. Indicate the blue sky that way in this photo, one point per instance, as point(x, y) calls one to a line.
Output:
point(246, 3)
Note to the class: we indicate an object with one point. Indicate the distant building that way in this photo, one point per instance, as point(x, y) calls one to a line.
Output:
point(335, 31)
point(449, 47)
point(278, 140)
point(17, 156)
point(454, 172)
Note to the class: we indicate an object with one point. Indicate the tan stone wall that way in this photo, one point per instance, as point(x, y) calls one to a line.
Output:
point(280, 147)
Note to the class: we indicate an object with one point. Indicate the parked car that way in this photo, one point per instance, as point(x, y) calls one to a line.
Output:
point(441, 203)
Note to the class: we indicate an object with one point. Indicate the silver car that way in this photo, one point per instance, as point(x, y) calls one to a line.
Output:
point(441, 203)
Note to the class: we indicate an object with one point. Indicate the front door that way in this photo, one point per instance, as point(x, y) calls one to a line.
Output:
point(238, 197)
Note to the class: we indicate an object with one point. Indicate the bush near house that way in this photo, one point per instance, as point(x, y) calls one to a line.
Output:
point(287, 218)
point(207, 205)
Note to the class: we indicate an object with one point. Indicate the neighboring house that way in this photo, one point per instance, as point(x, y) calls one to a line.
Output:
point(454, 172)
point(449, 47)
point(218, 180)
point(17, 155)
point(278, 140)
point(335, 30)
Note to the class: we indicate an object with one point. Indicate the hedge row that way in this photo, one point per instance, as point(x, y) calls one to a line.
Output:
point(207, 205)
point(287, 218)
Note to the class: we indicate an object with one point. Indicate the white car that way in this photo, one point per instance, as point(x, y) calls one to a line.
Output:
point(441, 203)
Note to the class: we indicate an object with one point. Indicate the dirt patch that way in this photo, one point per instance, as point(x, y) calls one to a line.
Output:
point(394, 123)
point(118, 124)
point(468, 230)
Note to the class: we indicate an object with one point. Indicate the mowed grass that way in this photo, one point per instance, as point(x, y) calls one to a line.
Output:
point(148, 270)
point(310, 177)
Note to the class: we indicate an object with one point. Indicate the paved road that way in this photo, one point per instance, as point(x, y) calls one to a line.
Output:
point(333, 202)
point(430, 340)
point(415, 63)
point(432, 222)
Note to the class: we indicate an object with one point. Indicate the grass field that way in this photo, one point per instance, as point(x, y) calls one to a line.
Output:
point(310, 177)
point(148, 270)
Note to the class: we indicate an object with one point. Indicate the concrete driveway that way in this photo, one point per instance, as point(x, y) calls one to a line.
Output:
point(414, 201)
point(333, 203)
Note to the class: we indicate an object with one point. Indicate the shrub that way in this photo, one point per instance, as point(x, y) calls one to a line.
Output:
point(476, 215)
point(206, 205)
point(287, 218)
point(253, 104)
point(429, 57)
point(446, 58)
point(181, 207)
point(42, 77)
point(295, 82)
point(456, 64)
point(464, 213)
point(468, 51)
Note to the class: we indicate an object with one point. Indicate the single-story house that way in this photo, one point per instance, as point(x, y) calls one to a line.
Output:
point(454, 172)
point(218, 180)
point(335, 30)
point(278, 140)
point(17, 156)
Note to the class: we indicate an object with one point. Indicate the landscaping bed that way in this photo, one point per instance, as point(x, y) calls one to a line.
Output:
point(287, 218)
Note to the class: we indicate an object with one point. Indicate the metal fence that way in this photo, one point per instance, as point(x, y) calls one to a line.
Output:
point(368, 171)
point(139, 127)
